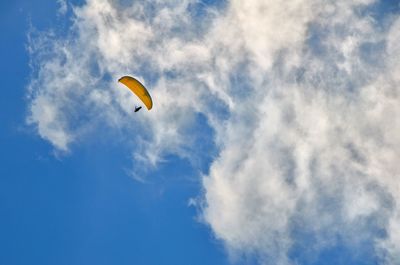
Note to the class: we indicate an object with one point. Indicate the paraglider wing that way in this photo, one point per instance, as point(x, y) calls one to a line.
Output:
point(138, 89)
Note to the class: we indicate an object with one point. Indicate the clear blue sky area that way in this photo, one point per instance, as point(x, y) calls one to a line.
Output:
point(83, 208)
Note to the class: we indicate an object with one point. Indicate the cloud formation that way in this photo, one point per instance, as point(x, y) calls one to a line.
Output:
point(302, 98)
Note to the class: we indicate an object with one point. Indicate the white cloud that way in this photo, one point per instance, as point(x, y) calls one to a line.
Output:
point(63, 7)
point(303, 97)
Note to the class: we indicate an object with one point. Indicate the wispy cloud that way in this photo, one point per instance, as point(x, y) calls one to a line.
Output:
point(302, 98)
point(63, 7)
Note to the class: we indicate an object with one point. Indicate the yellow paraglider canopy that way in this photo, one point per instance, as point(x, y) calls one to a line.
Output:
point(138, 89)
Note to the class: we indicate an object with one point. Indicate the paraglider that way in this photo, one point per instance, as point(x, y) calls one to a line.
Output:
point(139, 90)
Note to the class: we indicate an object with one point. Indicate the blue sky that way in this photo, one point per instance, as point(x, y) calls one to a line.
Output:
point(84, 208)
point(266, 145)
